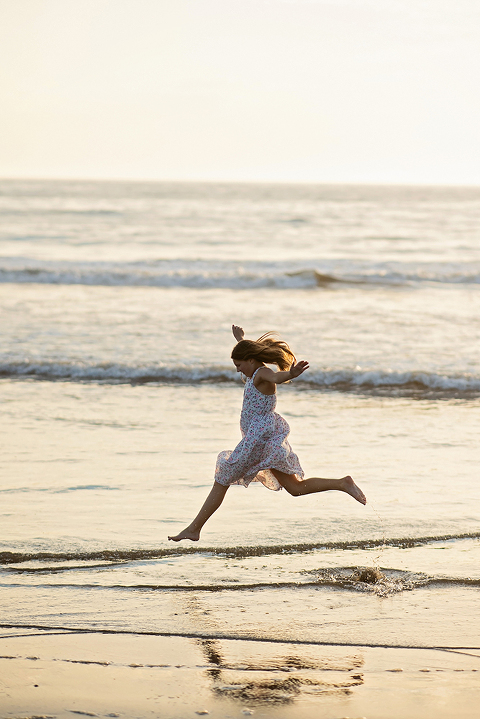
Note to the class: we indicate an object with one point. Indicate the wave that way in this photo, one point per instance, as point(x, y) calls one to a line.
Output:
point(386, 381)
point(394, 381)
point(234, 636)
point(389, 583)
point(132, 555)
point(369, 579)
point(56, 212)
point(147, 277)
point(55, 490)
point(233, 275)
point(383, 582)
point(111, 372)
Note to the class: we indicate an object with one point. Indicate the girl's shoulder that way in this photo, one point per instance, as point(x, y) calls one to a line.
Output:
point(257, 376)
point(262, 383)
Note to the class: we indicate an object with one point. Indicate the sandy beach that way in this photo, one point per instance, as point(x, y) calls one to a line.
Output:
point(51, 674)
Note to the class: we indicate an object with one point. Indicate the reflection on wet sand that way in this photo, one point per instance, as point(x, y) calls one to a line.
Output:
point(261, 679)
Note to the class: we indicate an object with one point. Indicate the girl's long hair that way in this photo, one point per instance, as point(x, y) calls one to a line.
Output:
point(266, 349)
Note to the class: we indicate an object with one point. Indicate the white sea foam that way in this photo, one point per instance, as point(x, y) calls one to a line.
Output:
point(114, 372)
point(390, 378)
point(224, 275)
point(346, 380)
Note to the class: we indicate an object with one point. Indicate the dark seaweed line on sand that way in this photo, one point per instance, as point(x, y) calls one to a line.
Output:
point(127, 555)
point(234, 637)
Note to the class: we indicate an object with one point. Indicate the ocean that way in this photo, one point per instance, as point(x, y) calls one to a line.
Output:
point(117, 394)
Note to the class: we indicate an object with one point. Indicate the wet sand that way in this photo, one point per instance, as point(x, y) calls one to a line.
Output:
point(52, 674)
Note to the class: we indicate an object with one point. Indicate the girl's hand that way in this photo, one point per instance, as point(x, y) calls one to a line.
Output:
point(297, 369)
point(238, 333)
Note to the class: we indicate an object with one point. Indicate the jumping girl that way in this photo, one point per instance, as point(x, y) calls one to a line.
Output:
point(264, 454)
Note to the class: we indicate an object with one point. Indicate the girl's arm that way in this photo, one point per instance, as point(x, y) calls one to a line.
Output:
point(238, 333)
point(265, 374)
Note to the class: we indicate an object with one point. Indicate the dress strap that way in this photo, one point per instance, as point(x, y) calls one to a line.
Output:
point(253, 375)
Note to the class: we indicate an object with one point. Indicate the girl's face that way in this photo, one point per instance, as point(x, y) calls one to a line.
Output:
point(246, 367)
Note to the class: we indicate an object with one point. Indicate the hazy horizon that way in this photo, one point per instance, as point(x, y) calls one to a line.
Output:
point(311, 91)
point(195, 181)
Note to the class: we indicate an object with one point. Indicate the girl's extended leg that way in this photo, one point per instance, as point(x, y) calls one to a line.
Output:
point(298, 487)
point(211, 504)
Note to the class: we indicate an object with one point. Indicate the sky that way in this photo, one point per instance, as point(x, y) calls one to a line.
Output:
point(379, 91)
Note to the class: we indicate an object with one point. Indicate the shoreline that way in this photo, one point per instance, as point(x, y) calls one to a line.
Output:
point(234, 637)
point(57, 673)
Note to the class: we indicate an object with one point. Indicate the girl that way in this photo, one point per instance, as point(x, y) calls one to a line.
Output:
point(264, 454)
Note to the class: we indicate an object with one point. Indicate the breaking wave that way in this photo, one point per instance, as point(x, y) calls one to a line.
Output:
point(390, 582)
point(384, 381)
point(231, 275)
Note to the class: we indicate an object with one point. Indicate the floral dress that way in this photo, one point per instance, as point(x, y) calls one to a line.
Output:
point(264, 445)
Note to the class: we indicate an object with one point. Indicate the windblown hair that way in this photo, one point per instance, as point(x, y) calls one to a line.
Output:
point(266, 349)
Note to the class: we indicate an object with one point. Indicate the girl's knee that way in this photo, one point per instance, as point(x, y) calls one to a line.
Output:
point(289, 482)
point(295, 489)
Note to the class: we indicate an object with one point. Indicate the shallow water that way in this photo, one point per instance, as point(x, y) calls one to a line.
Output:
point(117, 394)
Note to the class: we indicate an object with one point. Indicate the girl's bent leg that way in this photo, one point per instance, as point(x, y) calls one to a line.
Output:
point(211, 504)
point(298, 487)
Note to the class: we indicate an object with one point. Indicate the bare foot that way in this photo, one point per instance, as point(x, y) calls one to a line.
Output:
point(186, 534)
point(351, 488)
